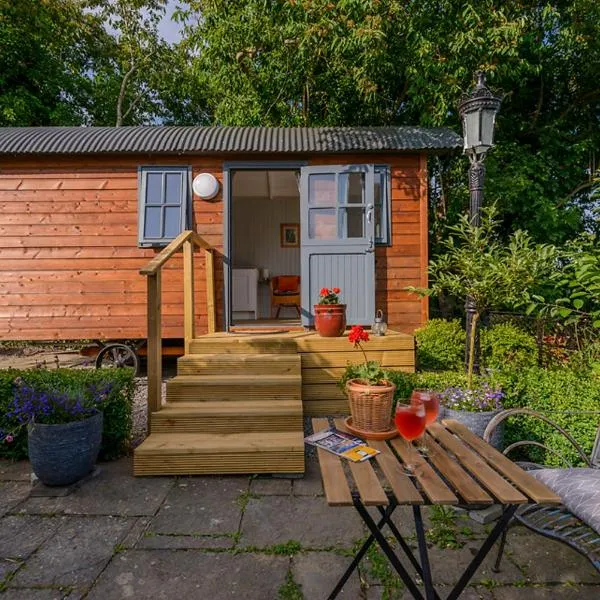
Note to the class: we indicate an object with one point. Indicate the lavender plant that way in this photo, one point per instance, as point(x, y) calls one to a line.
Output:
point(54, 406)
point(480, 399)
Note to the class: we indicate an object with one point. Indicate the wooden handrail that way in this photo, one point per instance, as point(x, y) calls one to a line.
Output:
point(166, 253)
point(186, 241)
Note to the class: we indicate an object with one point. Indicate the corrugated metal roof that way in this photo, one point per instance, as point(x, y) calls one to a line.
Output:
point(205, 140)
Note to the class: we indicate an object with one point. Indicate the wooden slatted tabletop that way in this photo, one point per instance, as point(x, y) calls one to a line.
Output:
point(459, 468)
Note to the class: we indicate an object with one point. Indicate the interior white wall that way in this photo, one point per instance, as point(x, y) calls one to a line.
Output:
point(255, 236)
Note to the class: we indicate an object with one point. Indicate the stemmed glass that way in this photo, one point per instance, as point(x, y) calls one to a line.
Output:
point(410, 421)
point(430, 400)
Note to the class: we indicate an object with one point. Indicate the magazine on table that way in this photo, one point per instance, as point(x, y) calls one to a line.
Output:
point(342, 443)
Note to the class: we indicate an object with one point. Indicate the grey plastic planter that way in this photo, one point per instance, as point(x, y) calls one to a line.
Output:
point(476, 422)
point(64, 453)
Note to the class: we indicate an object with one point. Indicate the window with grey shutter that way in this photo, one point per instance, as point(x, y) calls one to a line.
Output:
point(164, 204)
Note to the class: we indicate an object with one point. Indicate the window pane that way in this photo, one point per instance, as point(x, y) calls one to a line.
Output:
point(172, 221)
point(352, 186)
point(321, 190)
point(154, 188)
point(379, 183)
point(173, 188)
point(378, 224)
point(152, 222)
point(322, 224)
point(354, 222)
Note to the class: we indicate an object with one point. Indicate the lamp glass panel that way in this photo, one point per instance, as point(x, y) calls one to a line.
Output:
point(472, 130)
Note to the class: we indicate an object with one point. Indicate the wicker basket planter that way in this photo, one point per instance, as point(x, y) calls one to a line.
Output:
point(61, 454)
point(476, 422)
point(371, 405)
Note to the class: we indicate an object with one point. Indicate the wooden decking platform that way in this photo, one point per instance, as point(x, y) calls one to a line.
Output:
point(238, 400)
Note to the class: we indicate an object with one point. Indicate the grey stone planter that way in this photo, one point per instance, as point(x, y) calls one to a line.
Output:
point(476, 422)
point(64, 453)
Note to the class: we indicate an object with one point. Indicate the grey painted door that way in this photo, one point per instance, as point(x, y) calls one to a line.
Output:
point(338, 238)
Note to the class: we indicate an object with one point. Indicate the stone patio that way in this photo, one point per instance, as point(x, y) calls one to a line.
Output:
point(238, 537)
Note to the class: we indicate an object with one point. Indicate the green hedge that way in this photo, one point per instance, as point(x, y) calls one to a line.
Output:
point(118, 417)
point(507, 346)
point(558, 394)
point(440, 345)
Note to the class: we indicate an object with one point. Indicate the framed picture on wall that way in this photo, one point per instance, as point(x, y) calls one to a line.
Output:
point(289, 235)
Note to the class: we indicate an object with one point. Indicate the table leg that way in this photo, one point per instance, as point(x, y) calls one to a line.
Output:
point(427, 581)
point(387, 550)
point(501, 525)
point(385, 514)
point(407, 550)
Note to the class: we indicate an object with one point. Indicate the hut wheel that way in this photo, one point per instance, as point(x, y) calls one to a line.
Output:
point(114, 356)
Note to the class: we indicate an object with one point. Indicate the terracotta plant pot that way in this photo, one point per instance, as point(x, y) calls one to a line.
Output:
point(371, 405)
point(330, 319)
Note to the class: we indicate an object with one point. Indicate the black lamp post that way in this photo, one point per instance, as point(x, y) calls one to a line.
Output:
point(478, 115)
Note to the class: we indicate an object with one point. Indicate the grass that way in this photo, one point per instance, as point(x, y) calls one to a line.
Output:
point(245, 497)
point(290, 590)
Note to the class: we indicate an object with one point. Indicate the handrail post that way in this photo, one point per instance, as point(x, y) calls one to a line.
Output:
point(189, 330)
point(210, 290)
point(154, 345)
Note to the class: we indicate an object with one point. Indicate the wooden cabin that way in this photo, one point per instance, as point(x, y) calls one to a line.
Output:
point(91, 221)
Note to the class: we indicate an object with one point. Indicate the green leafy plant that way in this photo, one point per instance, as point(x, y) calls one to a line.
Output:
point(506, 345)
point(368, 372)
point(477, 265)
point(440, 345)
point(117, 406)
point(329, 296)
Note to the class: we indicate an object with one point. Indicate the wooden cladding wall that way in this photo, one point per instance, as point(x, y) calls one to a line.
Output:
point(69, 261)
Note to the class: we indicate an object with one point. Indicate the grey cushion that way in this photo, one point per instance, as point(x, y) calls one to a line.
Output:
point(579, 489)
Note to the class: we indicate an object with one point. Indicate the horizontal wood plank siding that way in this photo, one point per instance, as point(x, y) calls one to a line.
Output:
point(69, 257)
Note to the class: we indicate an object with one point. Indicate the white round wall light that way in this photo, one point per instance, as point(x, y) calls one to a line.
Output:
point(206, 186)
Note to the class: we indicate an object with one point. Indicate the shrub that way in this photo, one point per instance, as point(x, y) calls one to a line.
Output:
point(440, 345)
point(559, 394)
point(506, 345)
point(117, 411)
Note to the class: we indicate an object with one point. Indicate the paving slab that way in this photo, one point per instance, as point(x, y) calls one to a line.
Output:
point(276, 519)
point(551, 592)
point(310, 484)
point(120, 494)
point(22, 535)
point(377, 593)
point(8, 566)
point(271, 487)
point(168, 574)
point(548, 561)
point(136, 533)
point(206, 505)
point(318, 572)
point(15, 470)
point(33, 594)
point(184, 542)
point(12, 493)
point(75, 554)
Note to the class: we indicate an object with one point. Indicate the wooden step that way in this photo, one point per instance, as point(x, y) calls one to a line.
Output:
point(224, 417)
point(233, 387)
point(195, 454)
point(239, 364)
point(250, 344)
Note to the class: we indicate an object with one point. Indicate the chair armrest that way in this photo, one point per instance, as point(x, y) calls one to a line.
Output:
point(510, 412)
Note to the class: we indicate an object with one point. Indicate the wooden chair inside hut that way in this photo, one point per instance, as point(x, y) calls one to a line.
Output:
point(577, 521)
point(285, 292)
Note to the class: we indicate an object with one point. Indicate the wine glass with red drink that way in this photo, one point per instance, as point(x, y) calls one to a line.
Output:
point(430, 400)
point(410, 423)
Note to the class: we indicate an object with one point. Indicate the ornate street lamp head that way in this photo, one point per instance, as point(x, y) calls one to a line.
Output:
point(478, 115)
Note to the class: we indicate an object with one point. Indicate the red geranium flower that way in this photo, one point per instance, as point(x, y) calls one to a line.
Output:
point(336, 290)
point(357, 334)
point(324, 292)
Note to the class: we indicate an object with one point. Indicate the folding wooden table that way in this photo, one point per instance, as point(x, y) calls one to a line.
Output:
point(459, 468)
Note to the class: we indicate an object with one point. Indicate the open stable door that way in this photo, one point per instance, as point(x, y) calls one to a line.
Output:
point(338, 238)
